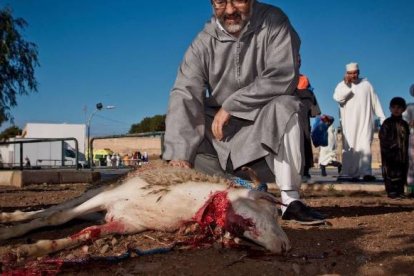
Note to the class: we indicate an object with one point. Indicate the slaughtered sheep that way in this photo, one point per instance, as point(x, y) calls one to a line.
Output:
point(165, 199)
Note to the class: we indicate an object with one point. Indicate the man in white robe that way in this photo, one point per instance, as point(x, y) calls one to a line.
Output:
point(408, 116)
point(359, 104)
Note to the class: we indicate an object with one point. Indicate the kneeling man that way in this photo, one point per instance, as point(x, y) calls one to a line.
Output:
point(232, 103)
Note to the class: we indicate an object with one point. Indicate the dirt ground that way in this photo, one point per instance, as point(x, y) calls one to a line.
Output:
point(366, 234)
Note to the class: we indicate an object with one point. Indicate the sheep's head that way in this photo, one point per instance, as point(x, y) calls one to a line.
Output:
point(243, 213)
point(259, 208)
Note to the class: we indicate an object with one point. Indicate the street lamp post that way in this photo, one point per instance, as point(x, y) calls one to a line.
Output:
point(99, 107)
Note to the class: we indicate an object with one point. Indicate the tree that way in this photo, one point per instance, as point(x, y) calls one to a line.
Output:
point(149, 124)
point(18, 59)
point(10, 132)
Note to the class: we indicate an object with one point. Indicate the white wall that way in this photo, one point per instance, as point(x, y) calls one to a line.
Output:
point(78, 131)
point(51, 151)
point(40, 154)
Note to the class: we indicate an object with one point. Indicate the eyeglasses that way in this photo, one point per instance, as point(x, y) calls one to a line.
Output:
point(221, 4)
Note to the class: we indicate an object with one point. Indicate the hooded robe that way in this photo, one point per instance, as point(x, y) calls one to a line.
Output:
point(408, 116)
point(252, 77)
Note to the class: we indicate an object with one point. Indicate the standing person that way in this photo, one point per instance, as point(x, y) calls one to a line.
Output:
point(108, 160)
point(125, 159)
point(117, 160)
point(113, 160)
point(136, 158)
point(327, 154)
point(27, 162)
point(232, 103)
point(408, 116)
point(145, 157)
point(394, 135)
point(358, 105)
point(311, 109)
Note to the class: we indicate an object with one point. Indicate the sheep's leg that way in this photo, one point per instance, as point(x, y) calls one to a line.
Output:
point(22, 216)
point(44, 247)
point(18, 216)
point(95, 204)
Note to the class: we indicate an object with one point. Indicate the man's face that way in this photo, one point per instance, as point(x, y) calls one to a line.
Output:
point(352, 76)
point(233, 15)
point(397, 110)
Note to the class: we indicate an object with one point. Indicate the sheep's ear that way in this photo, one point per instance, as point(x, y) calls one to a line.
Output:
point(253, 176)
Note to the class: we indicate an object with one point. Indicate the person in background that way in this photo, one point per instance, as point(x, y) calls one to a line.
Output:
point(108, 161)
point(393, 136)
point(358, 104)
point(327, 154)
point(27, 163)
point(145, 157)
point(232, 103)
point(408, 116)
point(125, 159)
point(136, 158)
point(304, 91)
point(113, 160)
point(117, 160)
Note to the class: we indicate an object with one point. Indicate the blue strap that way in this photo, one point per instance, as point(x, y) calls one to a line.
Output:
point(248, 185)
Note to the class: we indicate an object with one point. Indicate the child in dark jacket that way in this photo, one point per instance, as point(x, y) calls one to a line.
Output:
point(394, 135)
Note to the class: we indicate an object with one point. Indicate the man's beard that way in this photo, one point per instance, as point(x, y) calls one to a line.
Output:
point(234, 27)
point(356, 80)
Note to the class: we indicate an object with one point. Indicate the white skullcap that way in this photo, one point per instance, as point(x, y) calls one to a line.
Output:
point(352, 67)
point(412, 90)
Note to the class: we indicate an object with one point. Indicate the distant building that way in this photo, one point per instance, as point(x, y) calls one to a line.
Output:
point(47, 153)
point(38, 130)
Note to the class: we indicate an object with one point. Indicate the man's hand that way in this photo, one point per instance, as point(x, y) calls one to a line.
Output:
point(348, 80)
point(220, 120)
point(180, 164)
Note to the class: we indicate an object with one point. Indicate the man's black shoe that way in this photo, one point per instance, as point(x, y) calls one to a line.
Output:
point(369, 178)
point(392, 195)
point(316, 214)
point(297, 211)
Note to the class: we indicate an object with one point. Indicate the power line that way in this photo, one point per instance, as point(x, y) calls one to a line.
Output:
point(113, 120)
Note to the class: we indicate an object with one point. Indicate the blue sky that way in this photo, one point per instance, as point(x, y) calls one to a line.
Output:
point(126, 53)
